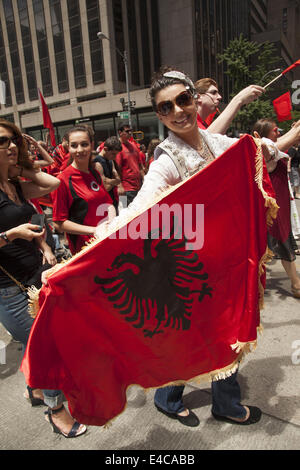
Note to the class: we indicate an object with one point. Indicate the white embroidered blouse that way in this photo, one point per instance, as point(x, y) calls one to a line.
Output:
point(163, 172)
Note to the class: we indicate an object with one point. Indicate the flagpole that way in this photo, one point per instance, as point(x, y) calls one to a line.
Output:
point(291, 67)
point(272, 81)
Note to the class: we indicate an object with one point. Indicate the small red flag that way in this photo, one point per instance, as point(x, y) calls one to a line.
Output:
point(47, 120)
point(283, 106)
point(291, 67)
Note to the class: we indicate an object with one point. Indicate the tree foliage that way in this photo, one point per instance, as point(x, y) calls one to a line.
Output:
point(247, 62)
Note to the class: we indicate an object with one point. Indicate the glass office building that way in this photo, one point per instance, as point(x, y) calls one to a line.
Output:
point(52, 45)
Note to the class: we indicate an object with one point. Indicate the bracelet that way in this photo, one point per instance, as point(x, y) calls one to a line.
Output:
point(4, 237)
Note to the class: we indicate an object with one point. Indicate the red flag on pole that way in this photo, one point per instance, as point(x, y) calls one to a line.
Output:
point(47, 120)
point(152, 305)
point(291, 67)
point(283, 107)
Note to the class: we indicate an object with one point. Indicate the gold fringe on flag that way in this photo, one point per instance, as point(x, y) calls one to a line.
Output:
point(272, 211)
point(33, 300)
point(270, 202)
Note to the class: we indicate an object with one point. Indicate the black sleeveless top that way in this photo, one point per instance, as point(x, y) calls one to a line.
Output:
point(20, 258)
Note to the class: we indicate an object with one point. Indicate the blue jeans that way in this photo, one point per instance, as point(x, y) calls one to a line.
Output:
point(15, 318)
point(226, 396)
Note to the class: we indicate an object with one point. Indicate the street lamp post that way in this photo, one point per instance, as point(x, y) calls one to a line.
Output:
point(124, 56)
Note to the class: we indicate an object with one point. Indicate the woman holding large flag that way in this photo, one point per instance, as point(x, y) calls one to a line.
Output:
point(186, 150)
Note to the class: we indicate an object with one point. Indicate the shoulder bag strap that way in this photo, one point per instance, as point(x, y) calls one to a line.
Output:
point(13, 279)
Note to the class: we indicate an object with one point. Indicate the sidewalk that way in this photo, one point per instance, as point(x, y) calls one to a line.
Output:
point(269, 378)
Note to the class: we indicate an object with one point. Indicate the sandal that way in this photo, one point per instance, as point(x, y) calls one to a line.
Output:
point(297, 252)
point(75, 431)
point(296, 292)
point(254, 417)
point(33, 400)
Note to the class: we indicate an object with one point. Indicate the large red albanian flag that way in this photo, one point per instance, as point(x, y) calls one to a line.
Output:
point(165, 303)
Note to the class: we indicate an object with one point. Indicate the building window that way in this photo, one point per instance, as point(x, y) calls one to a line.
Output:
point(119, 37)
point(14, 52)
point(3, 70)
point(145, 42)
point(133, 43)
point(216, 23)
point(9, 117)
point(94, 25)
point(103, 128)
point(42, 42)
point(148, 123)
point(27, 49)
point(263, 6)
point(155, 34)
point(284, 20)
point(76, 43)
point(59, 46)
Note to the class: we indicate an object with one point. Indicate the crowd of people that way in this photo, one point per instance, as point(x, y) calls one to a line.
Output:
point(77, 179)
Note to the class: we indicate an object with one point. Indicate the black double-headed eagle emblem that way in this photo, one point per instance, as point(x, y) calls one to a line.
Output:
point(156, 284)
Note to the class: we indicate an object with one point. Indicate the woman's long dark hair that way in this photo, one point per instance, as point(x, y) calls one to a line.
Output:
point(23, 155)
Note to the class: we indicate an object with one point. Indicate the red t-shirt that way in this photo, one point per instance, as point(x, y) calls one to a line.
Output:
point(201, 124)
point(205, 124)
point(129, 163)
point(79, 198)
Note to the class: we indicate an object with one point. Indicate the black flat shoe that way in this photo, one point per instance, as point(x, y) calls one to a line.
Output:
point(254, 417)
point(190, 420)
point(33, 400)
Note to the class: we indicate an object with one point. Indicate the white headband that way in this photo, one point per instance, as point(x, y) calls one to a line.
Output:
point(180, 76)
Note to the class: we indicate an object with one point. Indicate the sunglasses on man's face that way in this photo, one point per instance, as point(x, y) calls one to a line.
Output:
point(182, 100)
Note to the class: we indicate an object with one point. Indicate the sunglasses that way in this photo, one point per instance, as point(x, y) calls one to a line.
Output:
point(6, 141)
point(182, 100)
point(128, 131)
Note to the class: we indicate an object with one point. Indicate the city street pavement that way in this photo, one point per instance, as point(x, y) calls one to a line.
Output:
point(269, 378)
